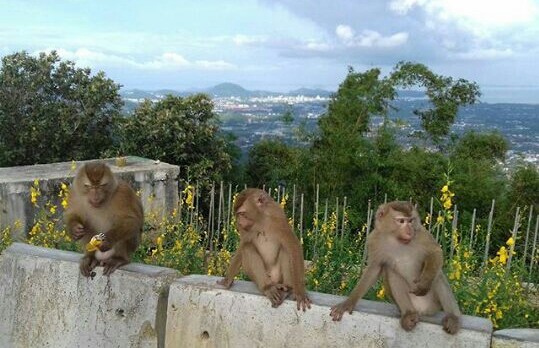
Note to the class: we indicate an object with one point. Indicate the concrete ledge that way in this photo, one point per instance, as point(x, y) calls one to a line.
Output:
point(516, 338)
point(200, 314)
point(46, 303)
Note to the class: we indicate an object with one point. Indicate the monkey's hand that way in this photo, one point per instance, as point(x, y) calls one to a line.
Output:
point(225, 282)
point(421, 287)
point(77, 232)
point(409, 320)
point(338, 310)
point(303, 301)
point(105, 246)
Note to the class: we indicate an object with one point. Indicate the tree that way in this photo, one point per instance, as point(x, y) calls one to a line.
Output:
point(182, 131)
point(272, 163)
point(445, 94)
point(59, 112)
point(490, 146)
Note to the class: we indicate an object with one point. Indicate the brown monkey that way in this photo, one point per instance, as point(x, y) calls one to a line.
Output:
point(269, 251)
point(99, 203)
point(410, 261)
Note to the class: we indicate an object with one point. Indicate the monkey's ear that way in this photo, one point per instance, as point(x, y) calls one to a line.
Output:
point(382, 211)
point(262, 199)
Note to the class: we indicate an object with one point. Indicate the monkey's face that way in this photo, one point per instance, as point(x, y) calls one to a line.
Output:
point(403, 227)
point(96, 193)
point(244, 220)
point(97, 183)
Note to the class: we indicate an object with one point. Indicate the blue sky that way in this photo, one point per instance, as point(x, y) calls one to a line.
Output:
point(279, 45)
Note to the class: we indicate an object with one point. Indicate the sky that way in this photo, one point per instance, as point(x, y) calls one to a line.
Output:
point(280, 45)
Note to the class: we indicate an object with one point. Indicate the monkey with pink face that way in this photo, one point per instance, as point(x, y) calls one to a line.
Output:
point(410, 262)
point(269, 252)
point(101, 205)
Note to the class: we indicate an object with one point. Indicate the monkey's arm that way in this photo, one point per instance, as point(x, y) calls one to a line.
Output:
point(232, 271)
point(431, 268)
point(368, 278)
point(74, 225)
point(124, 228)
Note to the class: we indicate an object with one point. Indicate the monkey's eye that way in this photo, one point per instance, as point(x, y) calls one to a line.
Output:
point(104, 185)
point(400, 220)
point(87, 186)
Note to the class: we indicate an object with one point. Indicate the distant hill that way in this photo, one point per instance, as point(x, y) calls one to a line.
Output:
point(227, 89)
point(309, 92)
point(222, 90)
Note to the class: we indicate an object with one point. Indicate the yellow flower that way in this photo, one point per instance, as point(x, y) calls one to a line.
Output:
point(381, 293)
point(510, 241)
point(447, 204)
point(503, 254)
point(445, 188)
point(440, 220)
point(52, 209)
point(64, 203)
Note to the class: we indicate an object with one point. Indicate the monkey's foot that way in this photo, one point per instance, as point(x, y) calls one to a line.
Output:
point(409, 320)
point(111, 265)
point(338, 310)
point(87, 264)
point(303, 302)
point(226, 283)
point(451, 324)
point(276, 293)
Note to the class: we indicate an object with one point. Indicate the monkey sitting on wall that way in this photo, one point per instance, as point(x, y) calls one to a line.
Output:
point(269, 251)
point(410, 261)
point(106, 215)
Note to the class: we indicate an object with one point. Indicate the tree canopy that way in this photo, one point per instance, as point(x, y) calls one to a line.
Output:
point(60, 112)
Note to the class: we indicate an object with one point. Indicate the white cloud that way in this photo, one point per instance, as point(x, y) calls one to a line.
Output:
point(471, 13)
point(344, 32)
point(166, 61)
point(485, 54)
point(242, 40)
point(369, 38)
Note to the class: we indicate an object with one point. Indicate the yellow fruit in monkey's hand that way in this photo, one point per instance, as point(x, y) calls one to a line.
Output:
point(95, 242)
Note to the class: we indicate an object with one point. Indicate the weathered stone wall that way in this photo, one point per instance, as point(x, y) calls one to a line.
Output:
point(157, 182)
point(45, 302)
point(202, 315)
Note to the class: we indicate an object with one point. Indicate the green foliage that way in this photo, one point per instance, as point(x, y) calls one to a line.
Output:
point(445, 94)
point(272, 162)
point(524, 186)
point(490, 146)
point(182, 131)
point(59, 112)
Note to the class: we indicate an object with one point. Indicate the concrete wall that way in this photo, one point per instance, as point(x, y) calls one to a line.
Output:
point(516, 338)
point(156, 179)
point(44, 302)
point(202, 315)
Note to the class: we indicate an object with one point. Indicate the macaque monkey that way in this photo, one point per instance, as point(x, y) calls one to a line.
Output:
point(269, 251)
point(410, 261)
point(106, 215)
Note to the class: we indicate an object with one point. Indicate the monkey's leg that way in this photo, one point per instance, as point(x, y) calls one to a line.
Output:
point(110, 265)
point(442, 289)
point(399, 290)
point(254, 267)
